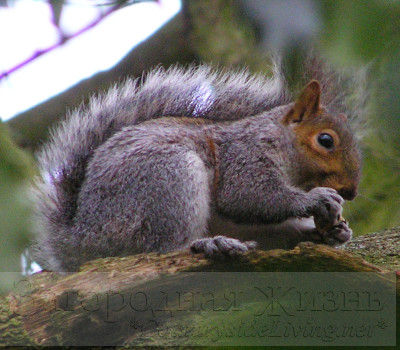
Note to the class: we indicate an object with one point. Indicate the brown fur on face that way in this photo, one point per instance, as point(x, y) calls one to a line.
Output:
point(338, 166)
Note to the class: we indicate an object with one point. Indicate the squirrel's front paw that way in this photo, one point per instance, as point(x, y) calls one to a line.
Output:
point(326, 208)
point(338, 234)
point(221, 246)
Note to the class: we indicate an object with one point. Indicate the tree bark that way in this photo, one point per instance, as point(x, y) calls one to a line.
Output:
point(85, 308)
point(380, 248)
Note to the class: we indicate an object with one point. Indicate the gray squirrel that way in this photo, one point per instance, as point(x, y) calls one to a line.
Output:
point(168, 163)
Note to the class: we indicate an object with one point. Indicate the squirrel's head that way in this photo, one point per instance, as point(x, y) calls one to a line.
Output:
point(327, 149)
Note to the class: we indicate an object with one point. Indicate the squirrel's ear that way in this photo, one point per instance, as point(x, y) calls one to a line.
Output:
point(307, 104)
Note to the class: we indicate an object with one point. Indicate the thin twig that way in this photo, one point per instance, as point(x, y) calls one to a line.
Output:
point(62, 41)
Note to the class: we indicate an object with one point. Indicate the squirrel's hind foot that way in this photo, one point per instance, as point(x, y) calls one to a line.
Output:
point(219, 247)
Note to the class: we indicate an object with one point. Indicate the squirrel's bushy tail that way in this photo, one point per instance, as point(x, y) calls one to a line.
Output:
point(198, 92)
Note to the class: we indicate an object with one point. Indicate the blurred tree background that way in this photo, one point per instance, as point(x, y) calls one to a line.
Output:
point(234, 33)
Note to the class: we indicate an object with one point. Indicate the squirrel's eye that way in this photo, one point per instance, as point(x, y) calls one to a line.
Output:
point(326, 140)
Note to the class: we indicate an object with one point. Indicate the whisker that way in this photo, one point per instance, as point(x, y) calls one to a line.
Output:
point(368, 198)
point(348, 211)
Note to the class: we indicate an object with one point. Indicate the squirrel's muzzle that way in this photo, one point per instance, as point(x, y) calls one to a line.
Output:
point(348, 193)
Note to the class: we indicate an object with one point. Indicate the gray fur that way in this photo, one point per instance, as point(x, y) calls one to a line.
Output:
point(117, 180)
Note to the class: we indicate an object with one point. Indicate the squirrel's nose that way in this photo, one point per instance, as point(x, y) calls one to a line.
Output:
point(348, 193)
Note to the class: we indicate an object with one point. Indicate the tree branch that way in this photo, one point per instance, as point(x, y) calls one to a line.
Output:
point(62, 41)
point(96, 306)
